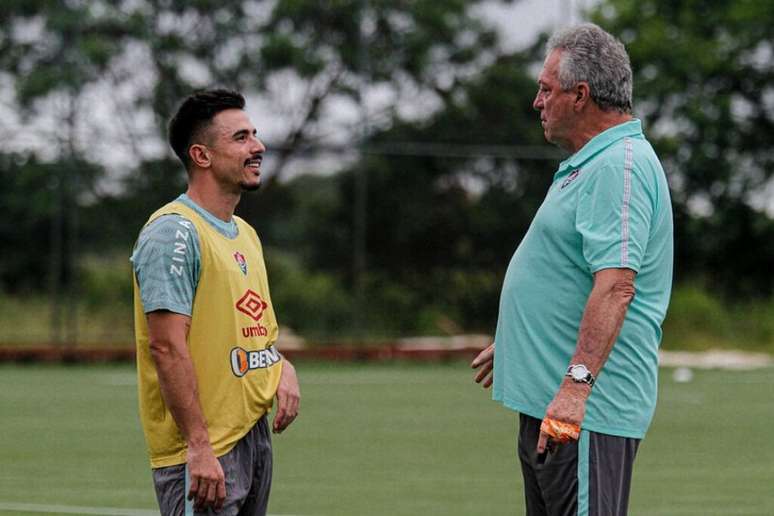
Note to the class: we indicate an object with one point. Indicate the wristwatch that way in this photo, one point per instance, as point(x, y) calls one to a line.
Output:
point(580, 374)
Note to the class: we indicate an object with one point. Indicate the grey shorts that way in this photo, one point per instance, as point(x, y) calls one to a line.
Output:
point(247, 468)
point(588, 477)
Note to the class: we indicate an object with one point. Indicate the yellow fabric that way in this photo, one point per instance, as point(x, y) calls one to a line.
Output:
point(233, 328)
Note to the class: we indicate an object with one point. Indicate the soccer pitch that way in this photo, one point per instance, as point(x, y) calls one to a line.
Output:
point(379, 439)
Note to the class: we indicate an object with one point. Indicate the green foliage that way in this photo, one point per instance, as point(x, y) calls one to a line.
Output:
point(39, 218)
point(106, 281)
point(24, 319)
point(27, 208)
point(695, 320)
point(703, 84)
point(66, 45)
point(699, 319)
point(441, 224)
point(27, 320)
point(114, 222)
point(436, 249)
point(320, 306)
point(310, 303)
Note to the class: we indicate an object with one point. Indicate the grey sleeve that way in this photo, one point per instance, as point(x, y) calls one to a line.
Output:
point(166, 262)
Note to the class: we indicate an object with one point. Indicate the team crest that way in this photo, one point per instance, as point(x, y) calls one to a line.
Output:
point(240, 259)
point(570, 178)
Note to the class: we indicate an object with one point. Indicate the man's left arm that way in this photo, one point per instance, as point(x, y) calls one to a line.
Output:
point(602, 320)
point(288, 397)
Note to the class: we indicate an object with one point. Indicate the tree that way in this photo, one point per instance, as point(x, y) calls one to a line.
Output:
point(51, 53)
point(308, 62)
point(100, 79)
point(450, 197)
point(704, 85)
point(27, 201)
point(303, 62)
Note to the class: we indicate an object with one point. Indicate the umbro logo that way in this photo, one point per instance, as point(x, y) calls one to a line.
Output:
point(252, 305)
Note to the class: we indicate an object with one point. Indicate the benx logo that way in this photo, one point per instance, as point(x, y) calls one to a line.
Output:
point(252, 305)
point(243, 361)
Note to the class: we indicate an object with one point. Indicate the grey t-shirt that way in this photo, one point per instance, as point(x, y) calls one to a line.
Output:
point(167, 259)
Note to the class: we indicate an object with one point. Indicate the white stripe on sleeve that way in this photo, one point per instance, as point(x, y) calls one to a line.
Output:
point(628, 161)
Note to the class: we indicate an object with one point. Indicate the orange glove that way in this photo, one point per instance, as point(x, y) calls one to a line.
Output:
point(559, 430)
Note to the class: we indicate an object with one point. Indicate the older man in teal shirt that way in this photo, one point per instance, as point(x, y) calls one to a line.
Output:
point(587, 289)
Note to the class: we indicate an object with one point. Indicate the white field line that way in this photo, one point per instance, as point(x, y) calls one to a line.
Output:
point(74, 509)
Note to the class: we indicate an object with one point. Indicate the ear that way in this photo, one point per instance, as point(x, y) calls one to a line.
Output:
point(582, 95)
point(200, 155)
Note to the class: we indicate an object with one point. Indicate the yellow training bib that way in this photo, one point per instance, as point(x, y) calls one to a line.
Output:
point(233, 328)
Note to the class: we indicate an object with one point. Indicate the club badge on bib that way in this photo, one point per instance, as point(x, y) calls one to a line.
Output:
point(240, 259)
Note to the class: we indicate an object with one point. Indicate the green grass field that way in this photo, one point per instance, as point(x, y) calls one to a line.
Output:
point(398, 439)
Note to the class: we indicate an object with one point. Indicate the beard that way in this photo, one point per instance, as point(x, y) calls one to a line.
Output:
point(249, 187)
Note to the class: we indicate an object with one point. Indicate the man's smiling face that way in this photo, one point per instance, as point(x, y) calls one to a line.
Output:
point(237, 152)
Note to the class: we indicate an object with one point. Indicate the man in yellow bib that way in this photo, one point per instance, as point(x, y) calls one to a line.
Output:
point(205, 326)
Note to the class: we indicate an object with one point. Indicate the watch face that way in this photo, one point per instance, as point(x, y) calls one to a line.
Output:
point(579, 372)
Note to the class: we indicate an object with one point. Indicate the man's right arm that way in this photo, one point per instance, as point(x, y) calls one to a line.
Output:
point(179, 388)
point(166, 263)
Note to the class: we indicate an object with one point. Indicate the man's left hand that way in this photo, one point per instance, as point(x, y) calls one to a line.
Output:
point(568, 406)
point(288, 397)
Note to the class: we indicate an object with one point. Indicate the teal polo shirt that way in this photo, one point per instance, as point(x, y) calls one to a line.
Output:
point(608, 207)
point(155, 250)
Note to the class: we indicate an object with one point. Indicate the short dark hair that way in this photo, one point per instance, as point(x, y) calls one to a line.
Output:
point(195, 114)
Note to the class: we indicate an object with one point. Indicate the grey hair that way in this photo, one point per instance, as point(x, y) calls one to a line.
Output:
point(589, 54)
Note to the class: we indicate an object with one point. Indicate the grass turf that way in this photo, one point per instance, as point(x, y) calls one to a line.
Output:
point(396, 439)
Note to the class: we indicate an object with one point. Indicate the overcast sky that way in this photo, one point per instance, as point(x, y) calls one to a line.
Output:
point(522, 20)
point(519, 21)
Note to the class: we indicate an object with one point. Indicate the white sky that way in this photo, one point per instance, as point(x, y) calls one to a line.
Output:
point(522, 20)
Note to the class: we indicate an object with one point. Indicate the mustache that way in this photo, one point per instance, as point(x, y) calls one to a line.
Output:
point(255, 157)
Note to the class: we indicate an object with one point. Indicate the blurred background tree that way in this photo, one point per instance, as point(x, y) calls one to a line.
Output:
point(449, 198)
point(704, 82)
point(405, 159)
point(303, 58)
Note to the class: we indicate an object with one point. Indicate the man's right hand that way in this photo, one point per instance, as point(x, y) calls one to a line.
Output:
point(208, 483)
point(484, 360)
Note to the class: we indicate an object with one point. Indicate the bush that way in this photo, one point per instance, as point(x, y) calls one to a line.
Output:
point(106, 281)
point(313, 304)
point(697, 320)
